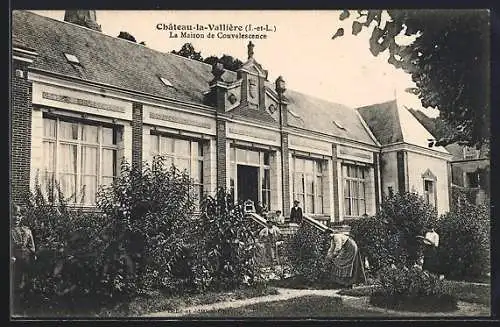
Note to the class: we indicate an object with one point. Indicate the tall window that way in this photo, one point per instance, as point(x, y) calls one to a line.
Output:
point(354, 190)
point(185, 155)
point(308, 184)
point(430, 192)
point(80, 156)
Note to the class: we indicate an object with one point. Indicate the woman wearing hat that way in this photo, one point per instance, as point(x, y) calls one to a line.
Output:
point(344, 260)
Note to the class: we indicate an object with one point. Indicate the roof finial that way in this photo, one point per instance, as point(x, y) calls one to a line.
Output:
point(250, 49)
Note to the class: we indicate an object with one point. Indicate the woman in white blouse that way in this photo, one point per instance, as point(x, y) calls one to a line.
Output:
point(344, 261)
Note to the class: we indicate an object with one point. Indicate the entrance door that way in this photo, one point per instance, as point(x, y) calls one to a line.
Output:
point(248, 183)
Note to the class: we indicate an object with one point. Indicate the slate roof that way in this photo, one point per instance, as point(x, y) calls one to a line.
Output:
point(117, 62)
point(391, 123)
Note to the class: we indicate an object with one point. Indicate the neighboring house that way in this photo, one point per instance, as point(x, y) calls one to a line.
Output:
point(470, 167)
point(82, 101)
point(407, 162)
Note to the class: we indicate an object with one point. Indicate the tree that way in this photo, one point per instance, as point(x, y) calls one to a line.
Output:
point(188, 51)
point(227, 61)
point(448, 61)
point(127, 36)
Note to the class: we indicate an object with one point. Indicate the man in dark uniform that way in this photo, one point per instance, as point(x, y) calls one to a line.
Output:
point(296, 213)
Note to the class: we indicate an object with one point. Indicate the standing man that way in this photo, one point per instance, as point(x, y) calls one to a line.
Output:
point(296, 213)
point(23, 252)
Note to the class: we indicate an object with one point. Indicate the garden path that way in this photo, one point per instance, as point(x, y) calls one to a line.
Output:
point(284, 294)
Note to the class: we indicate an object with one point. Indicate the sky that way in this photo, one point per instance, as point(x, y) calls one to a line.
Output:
point(300, 48)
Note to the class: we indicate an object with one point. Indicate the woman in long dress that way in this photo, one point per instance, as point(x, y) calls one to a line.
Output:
point(344, 262)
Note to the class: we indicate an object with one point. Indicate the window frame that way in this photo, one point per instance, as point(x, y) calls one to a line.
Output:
point(305, 176)
point(359, 179)
point(57, 140)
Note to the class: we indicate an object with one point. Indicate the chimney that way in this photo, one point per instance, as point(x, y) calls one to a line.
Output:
point(86, 18)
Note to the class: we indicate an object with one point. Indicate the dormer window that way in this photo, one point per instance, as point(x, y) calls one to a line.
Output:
point(72, 58)
point(166, 82)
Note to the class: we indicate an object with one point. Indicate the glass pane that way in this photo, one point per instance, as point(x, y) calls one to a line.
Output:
point(168, 161)
point(299, 164)
point(107, 180)
point(49, 127)
point(354, 189)
point(182, 148)
point(89, 187)
point(344, 171)
point(361, 190)
point(319, 167)
point(89, 160)
point(266, 182)
point(355, 209)
point(154, 149)
point(362, 207)
point(49, 156)
point(108, 162)
point(310, 184)
point(319, 185)
point(241, 155)
point(347, 189)
point(107, 136)
point(266, 158)
point(67, 158)
point(90, 133)
point(68, 131)
point(253, 157)
point(166, 145)
point(200, 171)
point(183, 164)
point(309, 166)
point(310, 204)
point(199, 145)
point(347, 207)
point(68, 184)
point(319, 204)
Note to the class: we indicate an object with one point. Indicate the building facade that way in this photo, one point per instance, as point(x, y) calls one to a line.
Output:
point(83, 101)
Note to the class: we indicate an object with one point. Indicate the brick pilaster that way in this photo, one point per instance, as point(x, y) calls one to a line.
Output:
point(20, 130)
point(285, 166)
point(220, 144)
point(137, 135)
point(336, 175)
point(376, 170)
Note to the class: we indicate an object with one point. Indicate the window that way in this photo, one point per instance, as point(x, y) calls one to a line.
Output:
point(430, 192)
point(166, 82)
point(185, 155)
point(79, 156)
point(266, 188)
point(472, 179)
point(354, 190)
point(308, 184)
point(470, 153)
point(72, 58)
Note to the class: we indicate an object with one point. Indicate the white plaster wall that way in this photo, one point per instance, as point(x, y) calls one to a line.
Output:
point(389, 172)
point(418, 165)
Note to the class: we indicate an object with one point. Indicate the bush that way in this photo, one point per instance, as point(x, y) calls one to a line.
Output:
point(224, 254)
point(307, 249)
point(390, 236)
point(464, 250)
point(412, 289)
point(148, 220)
point(67, 241)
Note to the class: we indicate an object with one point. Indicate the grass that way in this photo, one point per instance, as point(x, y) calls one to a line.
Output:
point(144, 304)
point(302, 307)
point(463, 291)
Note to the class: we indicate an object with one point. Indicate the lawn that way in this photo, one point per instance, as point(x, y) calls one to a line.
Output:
point(142, 304)
point(463, 291)
point(302, 307)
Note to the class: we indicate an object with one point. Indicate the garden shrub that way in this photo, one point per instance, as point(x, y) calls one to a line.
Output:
point(464, 250)
point(307, 249)
point(412, 289)
point(224, 254)
point(148, 218)
point(390, 236)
